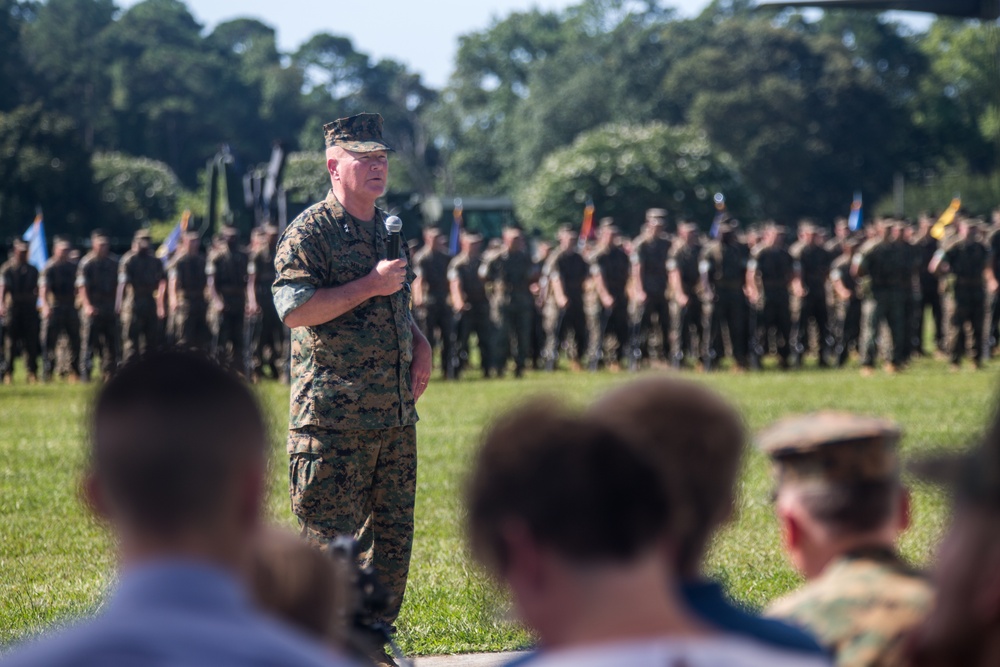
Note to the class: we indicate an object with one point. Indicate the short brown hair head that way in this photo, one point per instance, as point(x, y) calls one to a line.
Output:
point(696, 440)
point(169, 433)
point(299, 584)
point(576, 486)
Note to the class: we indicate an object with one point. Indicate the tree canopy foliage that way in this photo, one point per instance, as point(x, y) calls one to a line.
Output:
point(792, 115)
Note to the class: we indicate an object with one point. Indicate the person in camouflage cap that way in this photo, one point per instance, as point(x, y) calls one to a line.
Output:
point(963, 628)
point(359, 362)
point(842, 507)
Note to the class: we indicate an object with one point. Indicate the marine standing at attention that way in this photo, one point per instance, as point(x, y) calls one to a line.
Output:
point(359, 362)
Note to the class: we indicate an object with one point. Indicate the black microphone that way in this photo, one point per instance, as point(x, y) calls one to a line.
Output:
point(393, 225)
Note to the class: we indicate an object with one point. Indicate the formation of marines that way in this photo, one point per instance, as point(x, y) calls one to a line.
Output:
point(679, 297)
point(734, 299)
point(109, 308)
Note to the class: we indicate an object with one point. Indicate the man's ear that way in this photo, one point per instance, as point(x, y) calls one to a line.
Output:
point(94, 496)
point(791, 529)
point(525, 566)
point(331, 167)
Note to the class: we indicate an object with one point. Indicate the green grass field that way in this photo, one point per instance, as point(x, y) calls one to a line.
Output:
point(55, 562)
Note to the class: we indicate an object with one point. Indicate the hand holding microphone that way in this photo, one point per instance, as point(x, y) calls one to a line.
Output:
point(389, 275)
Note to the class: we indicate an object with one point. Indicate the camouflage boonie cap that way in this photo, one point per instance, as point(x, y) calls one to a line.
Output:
point(832, 448)
point(361, 133)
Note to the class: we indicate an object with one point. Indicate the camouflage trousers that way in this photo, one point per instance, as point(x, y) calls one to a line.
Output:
point(141, 328)
point(100, 333)
point(190, 325)
point(21, 336)
point(230, 335)
point(885, 305)
point(62, 319)
point(359, 483)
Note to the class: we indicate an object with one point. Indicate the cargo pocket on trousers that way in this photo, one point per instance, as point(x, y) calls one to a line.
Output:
point(305, 485)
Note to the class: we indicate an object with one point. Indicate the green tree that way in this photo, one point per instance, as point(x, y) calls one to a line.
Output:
point(959, 105)
point(135, 191)
point(44, 164)
point(175, 98)
point(64, 47)
point(806, 126)
point(625, 169)
point(14, 74)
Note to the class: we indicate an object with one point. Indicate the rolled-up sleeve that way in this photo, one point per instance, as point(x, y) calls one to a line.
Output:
point(298, 262)
point(289, 297)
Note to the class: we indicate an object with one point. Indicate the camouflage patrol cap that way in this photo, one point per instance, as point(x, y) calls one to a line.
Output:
point(689, 227)
point(361, 133)
point(142, 235)
point(656, 214)
point(472, 237)
point(61, 241)
point(832, 448)
point(20, 245)
point(565, 229)
point(228, 232)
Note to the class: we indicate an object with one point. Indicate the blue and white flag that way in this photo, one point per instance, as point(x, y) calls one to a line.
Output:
point(856, 219)
point(38, 253)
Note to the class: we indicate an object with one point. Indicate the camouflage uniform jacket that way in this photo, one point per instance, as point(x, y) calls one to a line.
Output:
point(188, 273)
point(59, 278)
point(684, 258)
point(512, 272)
point(966, 261)
point(726, 264)
point(20, 282)
point(813, 262)
point(860, 608)
point(353, 372)
point(432, 268)
point(885, 264)
point(229, 271)
point(141, 274)
point(465, 270)
point(261, 266)
point(651, 256)
point(614, 266)
point(775, 266)
point(99, 277)
point(572, 270)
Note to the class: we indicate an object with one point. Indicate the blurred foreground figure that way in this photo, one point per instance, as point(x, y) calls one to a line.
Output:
point(587, 553)
point(964, 626)
point(178, 470)
point(842, 508)
point(696, 439)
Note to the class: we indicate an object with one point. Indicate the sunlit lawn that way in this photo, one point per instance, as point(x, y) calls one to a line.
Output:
point(55, 562)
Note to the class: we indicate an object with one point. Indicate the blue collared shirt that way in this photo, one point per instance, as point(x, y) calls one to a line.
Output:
point(176, 613)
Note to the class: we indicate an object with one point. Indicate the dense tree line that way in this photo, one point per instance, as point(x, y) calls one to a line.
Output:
point(790, 117)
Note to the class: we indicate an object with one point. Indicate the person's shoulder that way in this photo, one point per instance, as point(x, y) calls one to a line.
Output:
point(709, 601)
point(740, 652)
